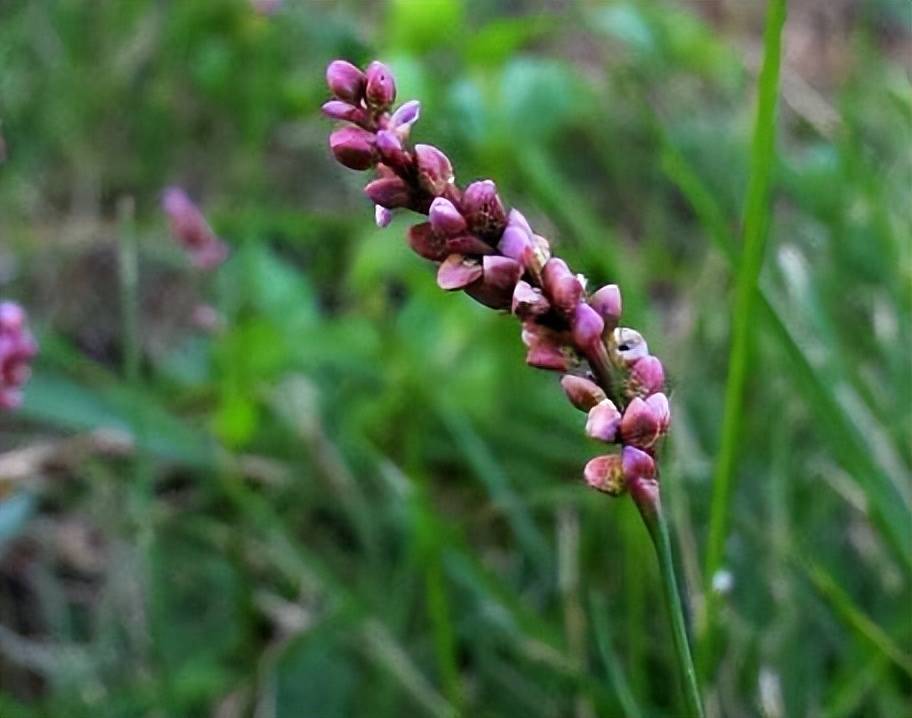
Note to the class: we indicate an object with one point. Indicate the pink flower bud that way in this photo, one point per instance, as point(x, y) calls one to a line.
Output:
point(517, 219)
point(192, 231)
point(483, 210)
point(637, 465)
point(606, 474)
point(338, 110)
point(528, 301)
point(445, 218)
point(403, 118)
point(604, 421)
point(382, 216)
point(457, 272)
point(435, 172)
point(17, 349)
point(561, 285)
point(380, 91)
point(354, 147)
point(587, 327)
point(658, 404)
point(607, 302)
point(424, 241)
point(516, 243)
point(546, 347)
point(640, 426)
point(390, 149)
point(583, 393)
point(647, 376)
point(495, 289)
point(346, 81)
point(389, 192)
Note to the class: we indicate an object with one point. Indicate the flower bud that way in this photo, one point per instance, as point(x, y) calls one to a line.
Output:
point(637, 465)
point(516, 243)
point(404, 117)
point(380, 91)
point(445, 218)
point(528, 301)
point(339, 110)
point(546, 349)
point(604, 421)
point(587, 327)
point(640, 426)
point(190, 228)
point(353, 147)
point(628, 346)
point(435, 172)
point(345, 81)
point(583, 393)
point(457, 272)
point(427, 243)
point(647, 376)
point(606, 474)
point(382, 216)
point(607, 302)
point(561, 285)
point(496, 287)
point(17, 349)
point(658, 404)
point(389, 146)
point(483, 209)
point(518, 219)
point(389, 192)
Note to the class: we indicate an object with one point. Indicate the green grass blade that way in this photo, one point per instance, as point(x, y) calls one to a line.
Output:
point(743, 321)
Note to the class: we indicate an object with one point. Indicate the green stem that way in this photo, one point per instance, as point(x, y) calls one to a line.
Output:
point(646, 496)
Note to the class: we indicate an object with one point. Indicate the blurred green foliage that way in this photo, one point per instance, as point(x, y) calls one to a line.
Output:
point(351, 497)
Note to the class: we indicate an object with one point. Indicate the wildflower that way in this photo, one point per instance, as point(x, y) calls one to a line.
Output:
point(494, 255)
point(190, 228)
point(17, 349)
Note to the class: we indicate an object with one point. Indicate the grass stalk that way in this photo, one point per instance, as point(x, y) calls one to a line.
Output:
point(755, 228)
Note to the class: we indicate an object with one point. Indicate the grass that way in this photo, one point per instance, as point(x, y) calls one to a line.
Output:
point(361, 502)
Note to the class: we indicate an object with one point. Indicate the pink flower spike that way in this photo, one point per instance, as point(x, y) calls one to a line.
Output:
point(445, 218)
point(640, 426)
point(583, 393)
point(647, 376)
point(606, 474)
point(607, 302)
point(603, 422)
point(457, 272)
point(346, 81)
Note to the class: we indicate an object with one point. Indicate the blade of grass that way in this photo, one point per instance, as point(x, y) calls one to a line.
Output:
point(755, 228)
point(598, 610)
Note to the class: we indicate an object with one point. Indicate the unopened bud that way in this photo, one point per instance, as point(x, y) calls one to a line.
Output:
point(658, 404)
point(382, 216)
point(607, 302)
point(483, 210)
point(583, 393)
point(445, 218)
point(346, 81)
point(640, 425)
point(647, 376)
point(380, 91)
point(606, 474)
point(604, 421)
point(496, 287)
point(339, 110)
point(389, 192)
point(435, 171)
point(587, 327)
point(353, 147)
point(561, 285)
point(426, 242)
point(637, 464)
point(404, 117)
point(528, 301)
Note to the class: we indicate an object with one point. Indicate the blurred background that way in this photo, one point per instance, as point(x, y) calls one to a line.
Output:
point(311, 484)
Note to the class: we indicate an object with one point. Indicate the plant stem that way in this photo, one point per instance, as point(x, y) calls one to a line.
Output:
point(648, 500)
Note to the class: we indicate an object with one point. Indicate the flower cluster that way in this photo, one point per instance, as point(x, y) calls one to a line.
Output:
point(495, 256)
point(192, 231)
point(17, 349)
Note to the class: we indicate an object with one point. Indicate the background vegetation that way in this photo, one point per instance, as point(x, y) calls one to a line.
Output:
point(350, 497)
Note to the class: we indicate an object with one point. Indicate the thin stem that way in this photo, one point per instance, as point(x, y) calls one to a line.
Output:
point(646, 496)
